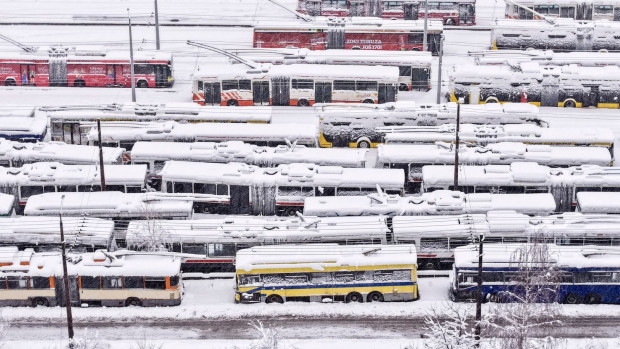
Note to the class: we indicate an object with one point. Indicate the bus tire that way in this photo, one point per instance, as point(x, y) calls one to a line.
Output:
point(40, 302)
point(274, 298)
point(415, 49)
point(232, 103)
point(10, 82)
point(429, 265)
point(494, 298)
point(354, 297)
point(572, 298)
point(374, 297)
point(570, 104)
point(369, 101)
point(79, 83)
point(363, 144)
point(592, 298)
point(450, 21)
point(303, 103)
point(492, 100)
point(403, 87)
point(133, 302)
point(142, 84)
point(290, 211)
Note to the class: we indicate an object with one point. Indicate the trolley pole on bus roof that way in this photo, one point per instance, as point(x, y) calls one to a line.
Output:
point(456, 145)
point(65, 278)
point(101, 156)
point(439, 69)
point(156, 27)
point(424, 40)
point(478, 329)
point(133, 78)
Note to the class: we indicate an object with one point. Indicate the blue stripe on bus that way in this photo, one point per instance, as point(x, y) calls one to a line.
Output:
point(329, 286)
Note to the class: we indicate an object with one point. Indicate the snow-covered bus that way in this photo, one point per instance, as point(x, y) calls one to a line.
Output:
point(524, 178)
point(49, 177)
point(350, 34)
point(586, 275)
point(483, 135)
point(412, 157)
point(569, 86)
point(212, 243)
point(326, 272)
point(16, 154)
point(358, 125)
point(440, 202)
point(545, 57)
point(22, 124)
point(562, 35)
point(414, 67)
point(598, 202)
point(450, 12)
point(69, 124)
point(279, 190)
point(294, 85)
point(98, 278)
point(575, 9)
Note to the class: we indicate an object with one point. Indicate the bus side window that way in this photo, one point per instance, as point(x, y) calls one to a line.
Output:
point(249, 279)
point(133, 189)
point(434, 243)
point(200, 249)
point(16, 282)
point(183, 187)
point(39, 282)
point(200, 86)
point(112, 282)
point(221, 250)
point(204, 188)
point(133, 282)
point(245, 85)
point(404, 71)
point(90, 282)
point(157, 283)
point(29, 190)
point(344, 85)
point(222, 189)
point(127, 145)
point(366, 86)
point(324, 191)
point(174, 280)
point(120, 188)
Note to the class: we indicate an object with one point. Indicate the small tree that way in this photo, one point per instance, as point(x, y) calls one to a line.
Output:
point(449, 328)
point(150, 234)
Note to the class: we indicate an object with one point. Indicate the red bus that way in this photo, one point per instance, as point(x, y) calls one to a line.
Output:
point(450, 12)
point(71, 68)
point(366, 34)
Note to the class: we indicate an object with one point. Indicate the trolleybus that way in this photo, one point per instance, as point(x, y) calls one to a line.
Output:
point(575, 9)
point(22, 124)
point(16, 154)
point(546, 57)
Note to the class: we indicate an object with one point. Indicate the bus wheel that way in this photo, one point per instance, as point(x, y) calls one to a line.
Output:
point(354, 297)
point(363, 144)
point(368, 101)
point(10, 82)
point(570, 104)
point(40, 302)
point(492, 100)
point(571, 298)
point(142, 84)
point(403, 87)
point(592, 298)
point(494, 298)
point(374, 297)
point(79, 83)
point(303, 103)
point(232, 103)
point(290, 211)
point(274, 298)
point(429, 265)
point(133, 302)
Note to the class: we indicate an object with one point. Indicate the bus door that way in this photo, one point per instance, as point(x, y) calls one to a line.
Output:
point(27, 74)
point(420, 78)
point(280, 91)
point(356, 9)
point(466, 14)
point(411, 11)
point(60, 291)
point(313, 7)
point(566, 12)
point(119, 77)
point(323, 92)
point(239, 199)
point(71, 133)
point(160, 75)
point(523, 14)
point(260, 92)
point(335, 37)
point(617, 13)
point(550, 94)
point(213, 95)
point(594, 96)
point(387, 93)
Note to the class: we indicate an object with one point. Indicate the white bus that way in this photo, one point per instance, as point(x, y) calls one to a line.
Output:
point(215, 241)
point(414, 67)
point(16, 154)
point(355, 125)
point(99, 278)
point(279, 190)
point(563, 34)
point(295, 84)
point(569, 86)
point(524, 178)
point(575, 9)
point(412, 157)
point(69, 123)
point(49, 177)
point(598, 202)
point(546, 57)
point(440, 202)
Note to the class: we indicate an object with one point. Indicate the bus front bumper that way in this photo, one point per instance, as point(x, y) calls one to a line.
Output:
point(241, 297)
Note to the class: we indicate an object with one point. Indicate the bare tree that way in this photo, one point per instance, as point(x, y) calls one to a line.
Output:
point(88, 342)
point(449, 327)
point(150, 235)
point(270, 338)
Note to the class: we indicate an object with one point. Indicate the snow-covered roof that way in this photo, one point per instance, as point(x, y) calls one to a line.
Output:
point(107, 204)
point(77, 55)
point(53, 173)
point(6, 204)
point(235, 151)
point(351, 25)
point(304, 133)
point(504, 256)
point(46, 230)
point(321, 256)
point(70, 154)
point(299, 71)
point(546, 57)
point(523, 174)
point(492, 154)
point(532, 71)
point(440, 202)
point(483, 134)
point(598, 202)
point(252, 230)
point(158, 112)
point(98, 263)
point(22, 123)
point(296, 174)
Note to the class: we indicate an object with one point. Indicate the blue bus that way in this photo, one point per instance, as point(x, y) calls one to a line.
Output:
point(587, 274)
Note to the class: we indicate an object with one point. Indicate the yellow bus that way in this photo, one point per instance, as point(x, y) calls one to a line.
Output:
point(326, 272)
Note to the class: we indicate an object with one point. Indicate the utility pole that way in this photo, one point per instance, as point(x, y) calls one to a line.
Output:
point(156, 27)
point(479, 293)
point(456, 147)
point(65, 278)
point(439, 69)
point(133, 78)
point(101, 166)
point(424, 40)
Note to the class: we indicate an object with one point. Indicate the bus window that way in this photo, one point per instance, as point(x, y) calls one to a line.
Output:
point(39, 282)
point(344, 277)
point(612, 189)
point(16, 282)
point(584, 277)
point(144, 69)
point(598, 277)
point(133, 282)
point(183, 187)
point(158, 283)
point(200, 86)
point(344, 85)
point(222, 189)
point(366, 86)
point(603, 10)
point(456, 242)
point(120, 188)
point(90, 282)
point(392, 5)
point(195, 249)
point(511, 190)
point(416, 39)
point(590, 189)
point(531, 190)
point(174, 280)
point(296, 278)
point(302, 84)
point(324, 191)
point(133, 189)
point(29, 190)
point(112, 282)
point(127, 145)
point(204, 188)
point(222, 250)
point(335, 3)
point(566, 12)
point(245, 85)
point(249, 279)
point(404, 71)
point(434, 243)
point(348, 192)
